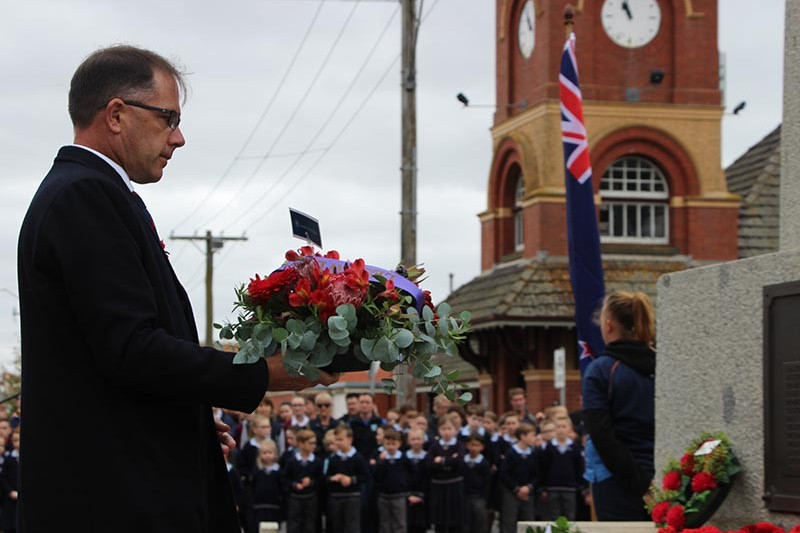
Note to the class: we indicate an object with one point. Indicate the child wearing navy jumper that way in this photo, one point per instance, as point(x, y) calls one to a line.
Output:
point(416, 513)
point(560, 466)
point(267, 496)
point(477, 482)
point(518, 479)
point(446, 493)
point(392, 484)
point(301, 477)
point(347, 474)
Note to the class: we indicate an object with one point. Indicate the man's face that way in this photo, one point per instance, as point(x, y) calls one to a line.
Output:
point(365, 405)
point(352, 406)
point(518, 403)
point(147, 142)
point(298, 408)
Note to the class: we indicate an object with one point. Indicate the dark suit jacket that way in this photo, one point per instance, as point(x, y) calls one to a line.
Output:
point(108, 337)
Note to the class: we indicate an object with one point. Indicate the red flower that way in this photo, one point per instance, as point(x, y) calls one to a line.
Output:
point(672, 480)
point(703, 481)
point(659, 513)
point(332, 254)
point(668, 529)
point(321, 300)
point(687, 464)
point(291, 255)
point(390, 293)
point(350, 286)
point(704, 529)
point(260, 290)
point(301, 293)
point(795, 529)
point(676, 517)
point(427, 300)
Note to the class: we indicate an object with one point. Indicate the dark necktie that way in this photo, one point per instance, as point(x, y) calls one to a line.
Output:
point(138, 200)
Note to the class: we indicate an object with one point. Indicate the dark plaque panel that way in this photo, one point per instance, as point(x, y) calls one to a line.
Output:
point(782, 396)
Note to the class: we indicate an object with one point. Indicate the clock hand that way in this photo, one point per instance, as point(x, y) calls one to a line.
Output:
point(528, 20)
point(627, 9)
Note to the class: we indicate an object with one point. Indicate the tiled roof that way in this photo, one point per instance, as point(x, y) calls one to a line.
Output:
point(538, 290)
point(755, 176)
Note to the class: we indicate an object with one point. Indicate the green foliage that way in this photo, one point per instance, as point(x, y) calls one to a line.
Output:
point(560, 525)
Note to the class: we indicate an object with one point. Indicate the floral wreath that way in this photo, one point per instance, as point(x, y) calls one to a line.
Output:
point(318, 310)
point(693, 488)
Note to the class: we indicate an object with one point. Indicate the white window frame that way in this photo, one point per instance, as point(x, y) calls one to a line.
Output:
point(519, 221)
point(638, 179)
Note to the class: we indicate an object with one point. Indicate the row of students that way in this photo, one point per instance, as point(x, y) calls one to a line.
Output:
point(452, 485)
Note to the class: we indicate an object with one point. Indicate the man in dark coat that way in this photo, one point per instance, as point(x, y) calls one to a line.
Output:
point(107, 329)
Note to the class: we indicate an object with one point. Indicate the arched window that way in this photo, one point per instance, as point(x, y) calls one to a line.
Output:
point(519, 227)
point(634, 202)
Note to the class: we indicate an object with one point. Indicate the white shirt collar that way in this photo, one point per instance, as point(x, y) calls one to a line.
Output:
point(561, 447)
point(122, 174)
point(301, 459)
point(465, 431)
point(451, 442)
point(347, 455)
point(469, 460)
point(521, 451)
point(274, 468)
point(253, 442)
point(410, 454)
point(397, 455)
point(509, 439)
point(302, 423)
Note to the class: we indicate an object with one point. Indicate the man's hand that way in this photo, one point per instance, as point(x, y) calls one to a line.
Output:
point(346, 481)
point(225, 440)
point(414, 500)
point(280, 380)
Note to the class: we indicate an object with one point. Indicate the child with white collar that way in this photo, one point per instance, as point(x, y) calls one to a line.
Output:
point(267, 496)
point(347, 473)
point(392, 484)
point(477, 481)
point(301, 477)
point(518, 478)
point(444, 462)
point(561, 471)
point(417, 514)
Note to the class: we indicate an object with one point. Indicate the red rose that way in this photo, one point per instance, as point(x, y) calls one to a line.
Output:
point(260, 290)
point(672, 480)
point(687, 464)
point(704, 529)
point(703, 481)
point(675, 517)
point(659, 513)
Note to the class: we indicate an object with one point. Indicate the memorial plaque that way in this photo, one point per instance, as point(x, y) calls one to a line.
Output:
point(782, 396)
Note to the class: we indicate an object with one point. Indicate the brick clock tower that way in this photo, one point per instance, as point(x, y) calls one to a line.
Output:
point(649, 74)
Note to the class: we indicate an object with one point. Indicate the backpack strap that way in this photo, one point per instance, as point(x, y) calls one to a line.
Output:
point(611, 379)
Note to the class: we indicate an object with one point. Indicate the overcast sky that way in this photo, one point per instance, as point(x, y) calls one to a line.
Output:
point(322, 136)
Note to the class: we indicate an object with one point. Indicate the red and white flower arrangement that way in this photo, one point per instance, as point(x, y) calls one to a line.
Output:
point(320, 311)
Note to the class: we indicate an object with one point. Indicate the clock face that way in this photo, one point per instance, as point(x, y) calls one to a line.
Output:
point(527, 30)
point(631, 23)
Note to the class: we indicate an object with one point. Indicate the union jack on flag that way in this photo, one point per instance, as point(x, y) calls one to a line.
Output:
point(585, 264)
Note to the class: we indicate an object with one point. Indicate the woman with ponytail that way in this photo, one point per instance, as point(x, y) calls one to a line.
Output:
point(619, 405)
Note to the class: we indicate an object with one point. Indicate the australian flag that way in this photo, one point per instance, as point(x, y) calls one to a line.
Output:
point(585, 265)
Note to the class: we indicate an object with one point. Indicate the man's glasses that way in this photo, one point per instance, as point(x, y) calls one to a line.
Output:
point(173, 117)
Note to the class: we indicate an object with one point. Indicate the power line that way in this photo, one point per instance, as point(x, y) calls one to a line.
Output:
point(325, 124)
point(339, 135)
point(291, 117)
point(261, 118)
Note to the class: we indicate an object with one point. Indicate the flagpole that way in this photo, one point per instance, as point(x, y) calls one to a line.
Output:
point(569, 19)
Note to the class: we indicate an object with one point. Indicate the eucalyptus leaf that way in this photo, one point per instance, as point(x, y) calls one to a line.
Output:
point(433, 371)
point(294, 341)
point(338, 334)
point(308, 342)
point(466, 316)
point(452, 376)
point(367, 346)
point(280, 334)
point(465, 398)
point(342, 342)
point(429, 329)
point(450, 347)
point(381, 350)
point(444, 310)
point(348, 312)
point(337, 323)
point(403, 338)
point(388, 366)
point(418, 371)
point(320, 357)
point(296, 326)
point(226, 333)
point(394, 352)
point(427, 313)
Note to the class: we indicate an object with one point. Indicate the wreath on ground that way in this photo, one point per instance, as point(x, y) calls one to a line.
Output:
point(693, 488)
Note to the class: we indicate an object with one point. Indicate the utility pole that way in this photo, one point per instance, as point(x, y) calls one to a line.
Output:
point(212, 245)
point(406, 384)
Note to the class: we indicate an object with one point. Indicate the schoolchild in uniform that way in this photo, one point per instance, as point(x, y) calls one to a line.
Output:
point(347, 474)
point(302, 474)
point(560, 466)
point(290, 451)
point(267, 496)
point(446, 493)
point(421, 423)
point(491, 453)
point(416, 513)
point(392, 482)
point(261, 429)
point(235, 480)
point(518, 479)
point(477, 476)
point(474, 417)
